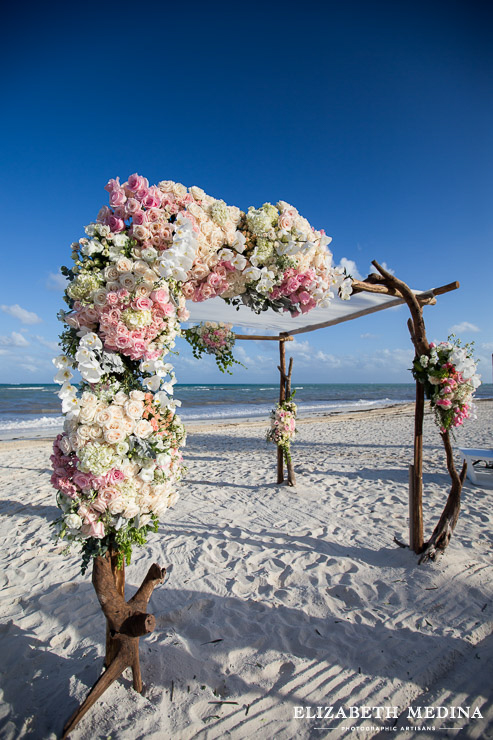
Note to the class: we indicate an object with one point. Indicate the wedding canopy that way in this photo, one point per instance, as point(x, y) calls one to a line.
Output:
point(360, 304)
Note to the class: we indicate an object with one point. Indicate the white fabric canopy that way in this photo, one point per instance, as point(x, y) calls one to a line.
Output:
point(215, 309)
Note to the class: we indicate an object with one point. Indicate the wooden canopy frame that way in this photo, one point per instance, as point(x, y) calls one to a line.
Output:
point(385, 283)
point(127, 621)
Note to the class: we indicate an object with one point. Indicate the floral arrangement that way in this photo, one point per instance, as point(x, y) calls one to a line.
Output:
point(449, 376)
point(117, 463)
point(283, 426)
point(214, 338)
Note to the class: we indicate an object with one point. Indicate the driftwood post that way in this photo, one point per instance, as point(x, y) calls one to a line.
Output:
point(126, 621)
point(416, 478)
point(446, 524)
point(282, 397)
point(284, 393)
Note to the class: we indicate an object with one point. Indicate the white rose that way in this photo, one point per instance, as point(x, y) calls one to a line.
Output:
point(114, 434)
point(87, 414)
point(128, 424)
point(143, 429)
point(120, 398)
point(124, 264)
point(99, 297)
point(104, 417)
point(131, 510)
point(65, 445)
point(166, 186)
point(89, 399)
point(127, 281)
point(197, 193)
point(95, 432)
point(137, 395)
point(73, 521)
point(116, 505)
point(141, 232)
point(134, 409)
point(110, 273)
point(179, 190)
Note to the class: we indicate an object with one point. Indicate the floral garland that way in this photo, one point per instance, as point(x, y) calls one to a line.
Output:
point(117, 463)
point(283, 426)
point(214, 338)
point(449, 376)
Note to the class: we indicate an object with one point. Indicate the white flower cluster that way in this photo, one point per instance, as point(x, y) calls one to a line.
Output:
point(176, 261)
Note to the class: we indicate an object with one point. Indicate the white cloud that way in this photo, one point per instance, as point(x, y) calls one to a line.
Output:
point(368, 335)
point(51, 345)
point(14, 340)
point(463, 328)
point(30, 368)
point(56, 281)
point(27, 317)
point(296, 346)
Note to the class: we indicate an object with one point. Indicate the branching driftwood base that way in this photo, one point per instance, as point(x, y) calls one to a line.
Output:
point(125, 623)
point(446, 524)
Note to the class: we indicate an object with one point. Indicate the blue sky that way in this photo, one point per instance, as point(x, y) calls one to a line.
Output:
point(373, 118)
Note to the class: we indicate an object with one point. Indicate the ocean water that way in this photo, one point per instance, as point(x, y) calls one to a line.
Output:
point(33, 411)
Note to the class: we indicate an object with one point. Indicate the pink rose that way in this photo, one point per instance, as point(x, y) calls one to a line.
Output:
point(120, 212)
point(168, 309)
point(207, 292)
point(139, 218)
point(132, 206)
point(214, 280)
point(112, 298)
point(136, 182)
point(103, 216)
point(138, 349)
point(94, 529)
point(116, 224)
point(142, 304)
point(83, 480)
point(115, 476)
point(221, 270)
point(292, 285)
point(117, 197)
point(188, 289)
point(160, 296)
point(112, 185)
point(304, 297)
point(152, 199)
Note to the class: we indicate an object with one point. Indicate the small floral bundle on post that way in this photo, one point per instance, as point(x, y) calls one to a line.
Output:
point(283, 426)
point(449, 376)
point(213, 338)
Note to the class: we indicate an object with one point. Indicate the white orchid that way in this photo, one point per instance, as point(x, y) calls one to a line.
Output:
point(63, 376)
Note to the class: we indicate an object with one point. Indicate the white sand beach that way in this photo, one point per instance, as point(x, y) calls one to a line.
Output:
point(275, 597)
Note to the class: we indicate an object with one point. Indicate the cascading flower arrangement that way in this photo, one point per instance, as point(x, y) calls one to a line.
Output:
point(214, 338)
point(283, 426)
point(449, 376)
point(118, 461)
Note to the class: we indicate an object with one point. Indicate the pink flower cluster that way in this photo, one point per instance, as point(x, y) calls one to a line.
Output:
point(64, 468)
point(448, 391)
point(148, 207)
point(214, 284)
point(296, 286)
point(116, 335)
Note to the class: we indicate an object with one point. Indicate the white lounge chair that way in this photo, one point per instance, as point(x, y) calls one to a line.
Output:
point(479, 466)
